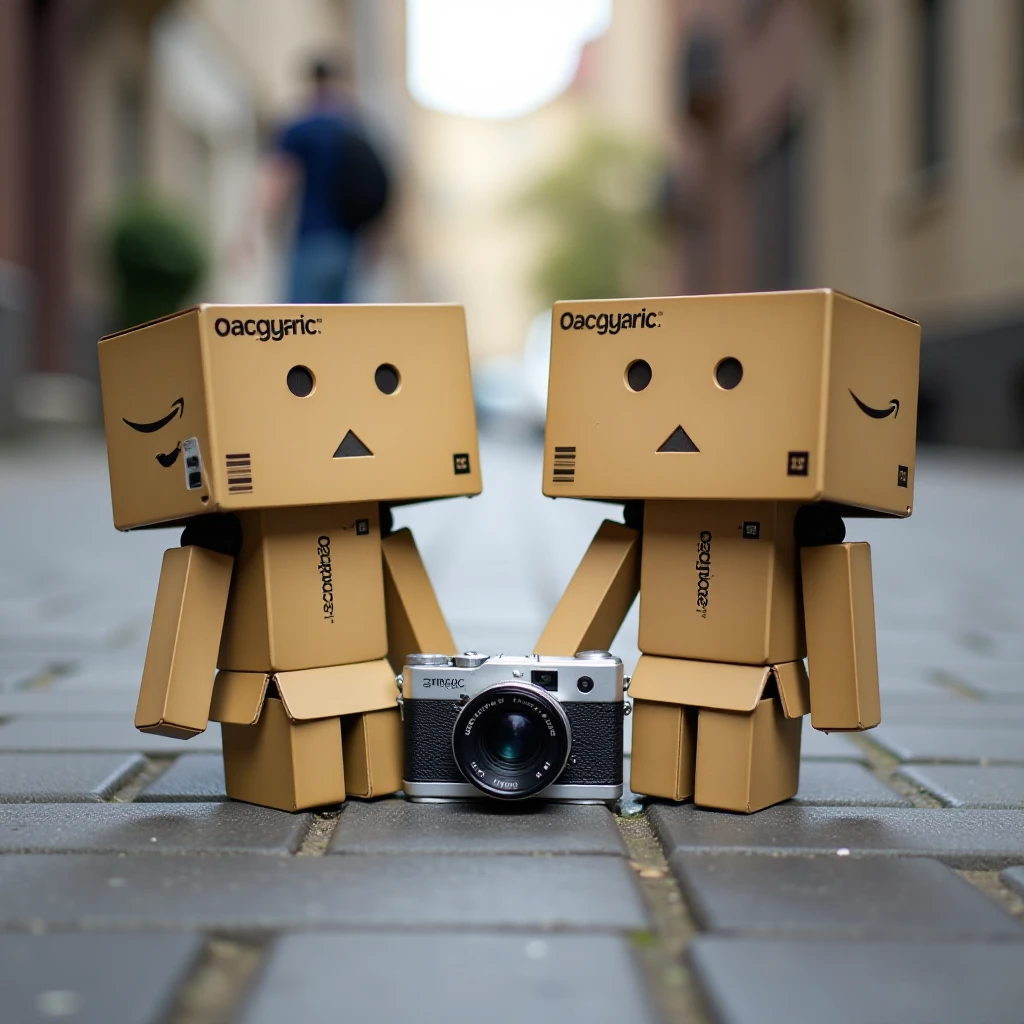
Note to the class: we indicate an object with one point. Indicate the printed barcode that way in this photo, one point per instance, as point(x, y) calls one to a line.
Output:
point(239, 469)
point(565, 465)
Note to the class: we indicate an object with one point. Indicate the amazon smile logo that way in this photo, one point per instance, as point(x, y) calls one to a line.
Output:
point(166, 459)
point(893, 408)
point(177, 409)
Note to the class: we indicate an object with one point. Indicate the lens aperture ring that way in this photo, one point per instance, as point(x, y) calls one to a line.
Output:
point(511, 740)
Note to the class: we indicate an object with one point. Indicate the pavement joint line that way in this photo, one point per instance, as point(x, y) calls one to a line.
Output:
point(322, 826)
point(884, 765)
point(995, 889)
point(954, 685)
point(661, 954)
point(154, 767)
point(221, 981)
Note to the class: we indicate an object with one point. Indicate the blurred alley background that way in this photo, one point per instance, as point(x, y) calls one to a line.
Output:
point(537, 149)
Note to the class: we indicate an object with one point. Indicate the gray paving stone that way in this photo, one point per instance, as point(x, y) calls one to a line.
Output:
point(847, 897)
point(828, 746)
point(951, 743)
point(149, 828)
point(191, 777)
point(976, 785)
point(64, 778)
point(37, 734)
point(747, 981)
point(397, 826)
point(896, 681)
point(57, 704)
point(971, 714)
point(844, 785)
point(961, 838)
point(546, 979)
point(95, 978)
point(121, 675)
point(991, 680)
point(250, 891)
point(17, 670)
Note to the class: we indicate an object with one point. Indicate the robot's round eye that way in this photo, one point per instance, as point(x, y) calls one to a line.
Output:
point(638, 375)
point(728, 373)
point(301, 381)
point(387, 379)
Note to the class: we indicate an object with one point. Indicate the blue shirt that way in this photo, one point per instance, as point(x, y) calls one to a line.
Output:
point(315, 143)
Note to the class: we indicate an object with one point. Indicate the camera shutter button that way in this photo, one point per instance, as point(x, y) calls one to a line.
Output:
point(469, 660)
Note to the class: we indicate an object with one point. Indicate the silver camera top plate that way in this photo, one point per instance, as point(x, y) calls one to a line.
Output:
point(594, 676)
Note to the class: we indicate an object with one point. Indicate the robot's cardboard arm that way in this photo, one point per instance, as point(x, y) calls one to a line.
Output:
point(839, 614)
point(181, 660)
point(414, 619)
point(599, 595)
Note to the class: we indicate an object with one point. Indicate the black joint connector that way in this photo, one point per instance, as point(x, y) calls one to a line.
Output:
point(817, 525)
point(633, 515)
point(387, 520)
point(215, 531)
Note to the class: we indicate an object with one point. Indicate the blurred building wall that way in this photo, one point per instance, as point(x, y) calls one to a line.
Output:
point(739, 84)
point(916, 192)
point(177, 98)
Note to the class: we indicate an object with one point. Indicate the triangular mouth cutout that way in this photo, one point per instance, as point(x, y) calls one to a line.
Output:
point(351, 448)
point(678, 441)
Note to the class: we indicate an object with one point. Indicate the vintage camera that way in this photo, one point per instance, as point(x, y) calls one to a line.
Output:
point(513, 727)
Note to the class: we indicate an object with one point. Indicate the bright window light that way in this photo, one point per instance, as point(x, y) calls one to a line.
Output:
point(497, 58)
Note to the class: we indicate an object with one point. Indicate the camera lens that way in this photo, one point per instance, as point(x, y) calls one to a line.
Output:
point(511, 740)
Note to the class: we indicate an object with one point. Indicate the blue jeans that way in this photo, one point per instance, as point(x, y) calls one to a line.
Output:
point(321, 267)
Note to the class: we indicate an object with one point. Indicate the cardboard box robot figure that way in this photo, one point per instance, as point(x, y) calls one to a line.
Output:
point(278, 436)
point(738, 430)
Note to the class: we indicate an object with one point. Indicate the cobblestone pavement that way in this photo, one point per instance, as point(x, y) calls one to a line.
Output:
point(890, 890)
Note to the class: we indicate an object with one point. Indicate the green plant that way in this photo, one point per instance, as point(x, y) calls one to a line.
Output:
point(156, 257)
point(600, 207)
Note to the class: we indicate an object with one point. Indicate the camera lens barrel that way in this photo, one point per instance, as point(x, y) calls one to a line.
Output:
point(511, 740)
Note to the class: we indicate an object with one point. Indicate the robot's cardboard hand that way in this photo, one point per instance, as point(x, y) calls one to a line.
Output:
point(599, 595)
point(181, 660)
point(839, 614)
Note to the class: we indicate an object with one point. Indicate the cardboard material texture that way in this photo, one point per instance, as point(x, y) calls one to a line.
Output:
point(292, 605)
point(708, 684)
point(296, 423)
point(284, 764)
point(841, 652)
point(739, 753)
point(269, 748)
point(664, 758)
point(177, 681)
point(287, 406)
point(373, 753)
point(599, 595)
point(747, 762)
point(414, 619)
point(305, 695)
point(713, 592)
point(825, 409)
point(728, 415)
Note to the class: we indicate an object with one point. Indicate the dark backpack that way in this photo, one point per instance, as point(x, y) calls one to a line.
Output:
point(363, 186)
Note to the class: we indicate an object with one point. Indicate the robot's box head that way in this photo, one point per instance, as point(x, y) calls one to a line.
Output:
point(226, 408)
point(784, 396)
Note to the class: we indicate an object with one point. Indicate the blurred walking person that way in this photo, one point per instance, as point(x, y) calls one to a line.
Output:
point(323, 160)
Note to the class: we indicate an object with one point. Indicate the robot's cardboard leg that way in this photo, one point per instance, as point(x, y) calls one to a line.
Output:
point(291, 739)
point(664, 750)
point(372, 745)
point(745, 740)
point(282, 763)
point(746, 762)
